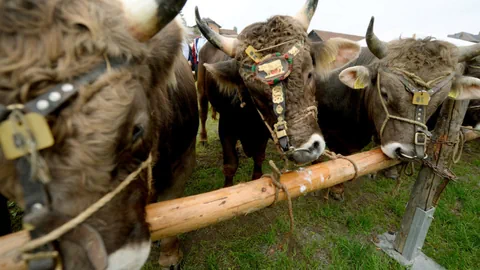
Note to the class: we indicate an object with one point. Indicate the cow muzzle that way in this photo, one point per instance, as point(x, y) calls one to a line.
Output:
point(309, 151)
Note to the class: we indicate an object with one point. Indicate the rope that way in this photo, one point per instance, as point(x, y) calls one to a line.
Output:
point(58, 232)
point(275, 176)
point(408, 169)
point(333, 156)
point(40, 255)
point(278, 45)
point(419, 80)
point(458, 149)
point(389, 116)
point(474, 107)
point(309, 111)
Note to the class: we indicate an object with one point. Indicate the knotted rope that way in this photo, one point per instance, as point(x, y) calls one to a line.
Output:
point(419, 80)
point(80, 218)
point(275, 176)
point(333, 156)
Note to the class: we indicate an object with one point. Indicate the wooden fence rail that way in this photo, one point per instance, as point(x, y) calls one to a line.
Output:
point(186, 214)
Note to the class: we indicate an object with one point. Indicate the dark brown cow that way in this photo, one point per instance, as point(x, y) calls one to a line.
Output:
point(387, 81)
point(238, 87)
point(141, 100)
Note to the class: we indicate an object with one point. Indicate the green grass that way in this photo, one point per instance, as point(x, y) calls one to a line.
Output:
point(329, 235)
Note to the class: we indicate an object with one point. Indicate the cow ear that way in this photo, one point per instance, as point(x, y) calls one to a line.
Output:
point(465, 88)
point(357, 77)
point(226, 74)
point(334, 53)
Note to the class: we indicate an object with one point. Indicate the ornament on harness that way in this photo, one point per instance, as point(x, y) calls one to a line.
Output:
point(24, 132)
point(273, 69)
point(421, 99)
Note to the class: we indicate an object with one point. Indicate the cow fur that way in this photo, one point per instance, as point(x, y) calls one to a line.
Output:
point(350, 119)
point(43, 43)
point(235, 93)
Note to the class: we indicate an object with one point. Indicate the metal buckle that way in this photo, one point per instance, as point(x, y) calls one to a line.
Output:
point(283, 132)
point(418, 136)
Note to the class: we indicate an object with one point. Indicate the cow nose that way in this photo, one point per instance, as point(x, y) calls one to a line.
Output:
point(398, 150)
point(309, 151)
point(316, 146)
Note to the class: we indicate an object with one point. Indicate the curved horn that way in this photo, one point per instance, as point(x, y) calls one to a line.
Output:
point(227, 45)
point(304, 16)
point(466, 53)
point(147, 17)
point(375, 45)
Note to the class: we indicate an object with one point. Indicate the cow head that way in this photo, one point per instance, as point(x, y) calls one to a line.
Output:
point(406, 85)
point(276, 62)
point(81, 68)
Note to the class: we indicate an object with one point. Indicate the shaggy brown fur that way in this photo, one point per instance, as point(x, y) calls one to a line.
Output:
point(427, 58)
point(300, 92)
point(43, 43)
point(226, 95)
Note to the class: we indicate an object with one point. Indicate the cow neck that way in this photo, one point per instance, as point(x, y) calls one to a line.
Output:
point(273, 69)
point(29, 139)
point(421, 99)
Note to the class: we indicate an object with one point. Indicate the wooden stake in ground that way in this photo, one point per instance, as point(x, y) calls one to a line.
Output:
point(432, 181)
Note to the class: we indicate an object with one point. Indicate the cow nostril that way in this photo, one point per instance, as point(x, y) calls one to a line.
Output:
point(398, 150)
point(316, 145)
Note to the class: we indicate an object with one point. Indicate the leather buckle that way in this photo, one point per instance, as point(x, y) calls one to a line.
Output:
point(420, 139)
point(282, 132)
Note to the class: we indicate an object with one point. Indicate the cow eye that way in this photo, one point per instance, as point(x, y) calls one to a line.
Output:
point(384, 93)
point(137, 133)
point(310, 75)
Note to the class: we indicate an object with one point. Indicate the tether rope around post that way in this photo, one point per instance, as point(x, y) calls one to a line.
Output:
point(333, 156)
point(275, 176)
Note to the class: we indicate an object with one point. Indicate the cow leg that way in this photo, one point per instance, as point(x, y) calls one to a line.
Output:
point(203, 117)
point(214, 113)
point(230, 155)
point(170, 252)
point(5, 223)
point(337, 192)
point(258, 158)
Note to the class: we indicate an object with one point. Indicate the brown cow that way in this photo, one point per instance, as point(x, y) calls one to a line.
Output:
point(387, 82)
point(268, 71)
point(472, 118)
point(134, 98)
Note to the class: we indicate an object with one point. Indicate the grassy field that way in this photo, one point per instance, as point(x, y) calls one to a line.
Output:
point(332, 234)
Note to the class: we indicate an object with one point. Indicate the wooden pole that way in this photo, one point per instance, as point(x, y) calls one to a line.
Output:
point(430, 184)
point(186, 214)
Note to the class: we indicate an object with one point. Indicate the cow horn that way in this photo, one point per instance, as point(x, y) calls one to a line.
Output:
point(227, 45)
point(304, 16)
point(375, 45)
point(147, 17)
point(466, 53)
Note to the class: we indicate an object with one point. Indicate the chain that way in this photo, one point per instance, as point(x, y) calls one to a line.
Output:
point(446, 173)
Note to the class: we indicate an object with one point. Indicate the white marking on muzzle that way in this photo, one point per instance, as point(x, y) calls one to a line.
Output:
point(306, 153)
point(315, 138)
point(129, 257)
point(477, 127)
point(390, 149)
